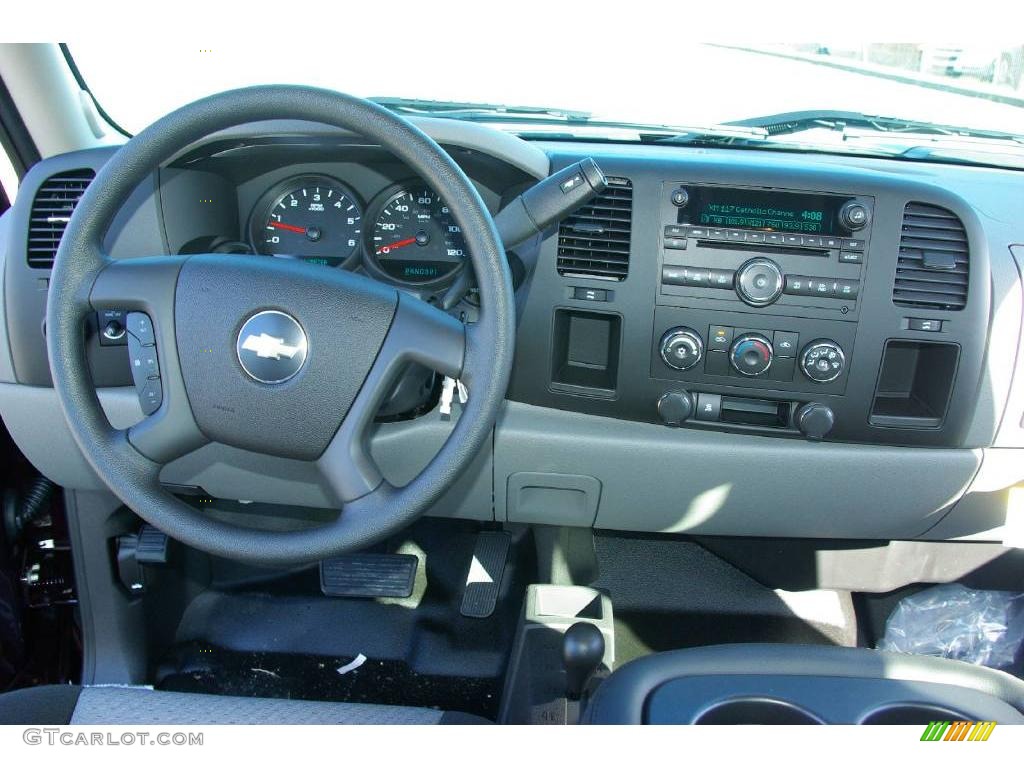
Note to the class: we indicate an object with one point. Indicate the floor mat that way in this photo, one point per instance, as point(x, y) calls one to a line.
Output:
point(282, 637)
point(670, 594)
point(200, 668)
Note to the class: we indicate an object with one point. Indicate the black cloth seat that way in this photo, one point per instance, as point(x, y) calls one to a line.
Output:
point(122, 705)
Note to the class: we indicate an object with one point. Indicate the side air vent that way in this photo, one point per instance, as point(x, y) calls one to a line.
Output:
point(933, 263)
point(55, 199)
point(594, 241)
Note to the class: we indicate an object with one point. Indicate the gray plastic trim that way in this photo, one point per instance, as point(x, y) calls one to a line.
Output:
point(6, 364)
point(660, 479)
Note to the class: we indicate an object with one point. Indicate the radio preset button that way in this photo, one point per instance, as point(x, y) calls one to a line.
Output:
point(774, 238)
point(811, 240)
point(755, 237)
point(759, 282)
point(717, 234)
point(792, 240)
point(736, 234)
point(698, 232)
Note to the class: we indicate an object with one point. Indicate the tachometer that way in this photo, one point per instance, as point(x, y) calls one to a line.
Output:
point(415, 238)
point(314, 218)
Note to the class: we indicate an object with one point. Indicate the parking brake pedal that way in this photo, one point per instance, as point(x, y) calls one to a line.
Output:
point(368, 575)
point(483, 581)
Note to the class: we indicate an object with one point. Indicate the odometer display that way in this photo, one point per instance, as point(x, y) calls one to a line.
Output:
point(415, 237)
point(313, 218)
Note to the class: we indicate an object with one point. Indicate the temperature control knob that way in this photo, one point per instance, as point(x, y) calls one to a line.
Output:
point(822, 361)
point(751, 354)
point(681, 348)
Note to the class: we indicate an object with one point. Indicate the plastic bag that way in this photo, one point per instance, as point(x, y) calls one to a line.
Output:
point(978, 626)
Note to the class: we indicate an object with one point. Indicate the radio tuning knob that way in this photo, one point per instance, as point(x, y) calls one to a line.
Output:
point(853, 215)
point(680, 197)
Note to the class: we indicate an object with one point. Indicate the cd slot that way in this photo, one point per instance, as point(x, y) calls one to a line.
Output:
point(765, 248)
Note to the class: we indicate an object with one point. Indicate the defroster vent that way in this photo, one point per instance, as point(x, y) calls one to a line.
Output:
point(932, 269)
point(594, 241)
point(55, 200)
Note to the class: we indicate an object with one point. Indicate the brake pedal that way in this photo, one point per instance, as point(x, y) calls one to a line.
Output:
point(483, 580)
point(368, 575)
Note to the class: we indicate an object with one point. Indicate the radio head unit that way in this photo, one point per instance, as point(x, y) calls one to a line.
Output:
point(769, 210)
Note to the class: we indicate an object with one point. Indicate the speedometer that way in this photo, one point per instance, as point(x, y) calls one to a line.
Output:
point(415, 238)
point(314, 218)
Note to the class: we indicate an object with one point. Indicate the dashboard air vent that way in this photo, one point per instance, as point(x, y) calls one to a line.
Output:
point(55, 199)
point(594, 241)
point(932, 269)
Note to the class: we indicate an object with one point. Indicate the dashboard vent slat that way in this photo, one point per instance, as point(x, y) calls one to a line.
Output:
point(595, 240)
point(52, 207)
point(931, 236)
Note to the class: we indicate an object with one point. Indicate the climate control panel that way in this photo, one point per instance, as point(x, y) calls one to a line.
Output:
point(742, 349)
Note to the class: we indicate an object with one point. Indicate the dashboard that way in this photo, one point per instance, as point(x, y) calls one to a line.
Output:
point(722, 342)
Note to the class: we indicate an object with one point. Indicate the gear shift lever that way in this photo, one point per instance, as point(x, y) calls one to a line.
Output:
point(582, 654)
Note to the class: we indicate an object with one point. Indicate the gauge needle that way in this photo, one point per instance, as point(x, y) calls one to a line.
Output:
point(289, 227)
point(399, 244)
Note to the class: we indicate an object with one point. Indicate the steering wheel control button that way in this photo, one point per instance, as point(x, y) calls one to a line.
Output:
point(681, 348)
point(709, 407)
point(271, 347)
point(150, 396)
point(823, 361)
point(140, 326)
point(751, 354)
point(786, 343)
point(143, 360)
point(759, 282)
point(111, 324)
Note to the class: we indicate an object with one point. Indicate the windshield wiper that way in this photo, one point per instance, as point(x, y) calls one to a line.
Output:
point(788, 123)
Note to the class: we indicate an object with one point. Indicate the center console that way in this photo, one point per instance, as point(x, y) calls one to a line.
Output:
point(829, 306)
point(807, 685)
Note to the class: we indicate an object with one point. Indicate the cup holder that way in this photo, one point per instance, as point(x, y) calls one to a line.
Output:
point(755, 712)
point(911, 714)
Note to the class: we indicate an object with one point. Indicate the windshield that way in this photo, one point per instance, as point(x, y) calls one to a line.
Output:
point(977, 87)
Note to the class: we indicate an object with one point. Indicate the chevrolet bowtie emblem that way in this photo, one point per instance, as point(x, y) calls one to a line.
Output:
point(271, 347)
point(268, 346)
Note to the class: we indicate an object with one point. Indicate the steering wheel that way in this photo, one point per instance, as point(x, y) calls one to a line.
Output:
point(274, 356)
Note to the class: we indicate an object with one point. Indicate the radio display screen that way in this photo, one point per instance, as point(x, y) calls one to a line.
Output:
point(764, 210)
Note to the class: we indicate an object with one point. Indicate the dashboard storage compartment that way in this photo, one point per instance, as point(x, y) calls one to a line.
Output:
point(585, 352)
point(914, 384)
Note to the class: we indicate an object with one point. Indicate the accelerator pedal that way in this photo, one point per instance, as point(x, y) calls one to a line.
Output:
point(368, 575)
point(483, 581)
